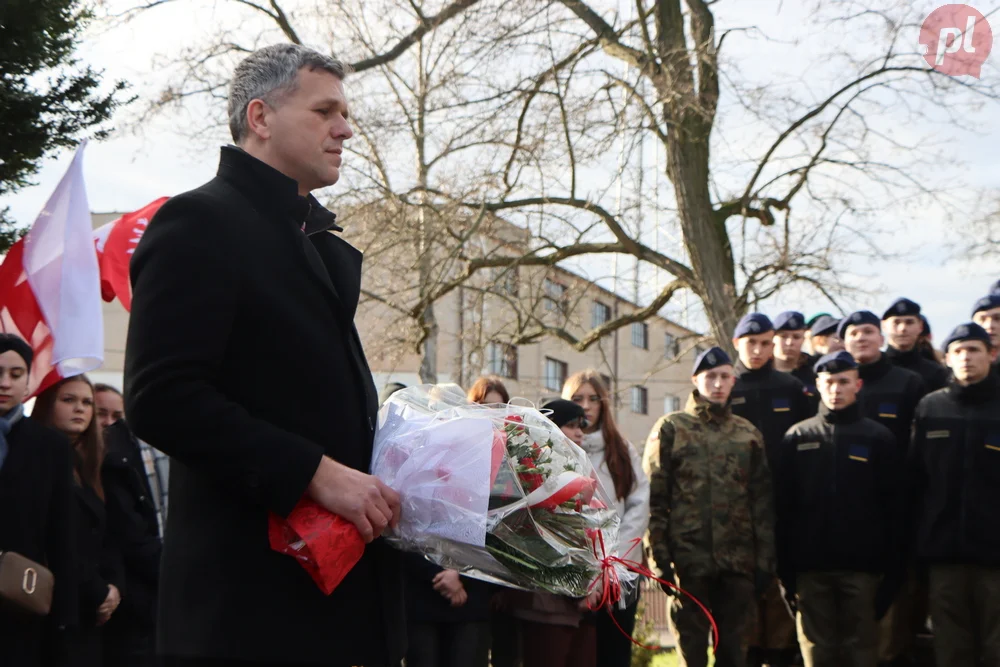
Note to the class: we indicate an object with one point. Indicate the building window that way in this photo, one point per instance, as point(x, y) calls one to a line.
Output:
point(640, 335)
point(503, 360)
point(671, 404)
point(505, 280)
point(601, 315)
point(671, 346)
point(640, 400)
point(555, 374)
point(555, 296)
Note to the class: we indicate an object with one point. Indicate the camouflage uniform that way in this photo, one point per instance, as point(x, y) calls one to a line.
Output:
point(712, 523)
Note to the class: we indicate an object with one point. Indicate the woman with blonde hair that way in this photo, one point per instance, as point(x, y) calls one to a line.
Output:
point(619, 468)
point(68, 407)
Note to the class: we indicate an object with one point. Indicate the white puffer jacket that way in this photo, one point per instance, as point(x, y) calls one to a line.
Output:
point(634, 509)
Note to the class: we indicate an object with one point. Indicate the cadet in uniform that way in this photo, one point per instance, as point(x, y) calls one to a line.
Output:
point(789, 335)
point(903, 326)
point(711, 527)
point(889, 395)
point(839, 521)
point(773, 402)
point(823, 336)
point(954, 473)
point(986, 313)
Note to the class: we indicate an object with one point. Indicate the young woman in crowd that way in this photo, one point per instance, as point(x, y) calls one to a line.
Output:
point(619, 467)
point(36, 515)
point(68, 407)
point(488, 390)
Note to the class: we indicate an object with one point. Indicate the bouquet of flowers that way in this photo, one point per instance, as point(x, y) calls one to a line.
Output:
point(496, 492)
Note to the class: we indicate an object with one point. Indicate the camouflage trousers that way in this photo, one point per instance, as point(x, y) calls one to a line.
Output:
point(836, 619)
point(730, 598)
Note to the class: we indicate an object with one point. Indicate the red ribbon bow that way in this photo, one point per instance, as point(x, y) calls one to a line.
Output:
point(612, 588)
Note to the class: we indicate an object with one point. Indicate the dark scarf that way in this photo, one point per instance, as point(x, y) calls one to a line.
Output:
point(7, 422)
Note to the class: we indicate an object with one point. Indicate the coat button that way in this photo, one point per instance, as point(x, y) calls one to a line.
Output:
point(142, 498)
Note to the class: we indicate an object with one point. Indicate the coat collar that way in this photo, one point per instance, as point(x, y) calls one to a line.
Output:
point(270, 189)
point(705, 410)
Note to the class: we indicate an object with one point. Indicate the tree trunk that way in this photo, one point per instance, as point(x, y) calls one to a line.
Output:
point(428, 321)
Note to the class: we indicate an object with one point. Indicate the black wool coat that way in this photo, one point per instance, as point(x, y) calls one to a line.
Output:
point(37, 520)
point(134, 530)
point(243, 364)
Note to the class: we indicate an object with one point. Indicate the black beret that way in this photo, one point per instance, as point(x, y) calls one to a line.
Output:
point(901, 307)
point(967, 331)
point(14, 342)
point(790, 320)
point(995, 289)
point(824, 326)
point(835, 362)
point(987, 303)
point(562, 411)
point(859, 317)
point(927, 326)
point(711, 358)
point(753, 323)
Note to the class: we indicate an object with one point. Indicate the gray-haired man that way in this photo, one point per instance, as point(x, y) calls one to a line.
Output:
point(244, 365)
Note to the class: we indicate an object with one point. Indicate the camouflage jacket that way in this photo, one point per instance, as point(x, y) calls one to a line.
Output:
point(711, 502)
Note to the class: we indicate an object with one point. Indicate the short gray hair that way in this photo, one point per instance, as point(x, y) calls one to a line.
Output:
point(269, 74)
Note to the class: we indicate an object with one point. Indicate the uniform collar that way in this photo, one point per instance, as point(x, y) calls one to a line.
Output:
point(755, 374)
point(980, 392)
point(876, 370)
point(705, 410)
point(848, 415)
point(268, 188)
point(907, 359)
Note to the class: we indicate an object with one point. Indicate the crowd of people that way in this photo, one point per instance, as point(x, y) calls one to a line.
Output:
point(820, 504)
point(79, 495)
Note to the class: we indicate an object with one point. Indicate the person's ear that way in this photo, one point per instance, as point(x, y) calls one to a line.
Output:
point(258, 119)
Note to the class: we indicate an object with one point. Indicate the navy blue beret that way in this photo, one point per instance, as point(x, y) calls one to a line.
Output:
point(711, 358)
point(835, 362)
point(790, 320)
point(859, 317)
point(967, 331)
point(902, 307)
point(996, 288)
point(987, 303)
point(753, 323)
point(927, 326)
point(824, 326)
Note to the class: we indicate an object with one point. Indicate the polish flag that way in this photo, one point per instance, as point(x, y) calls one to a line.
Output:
point(50, 286)
point(115, 243)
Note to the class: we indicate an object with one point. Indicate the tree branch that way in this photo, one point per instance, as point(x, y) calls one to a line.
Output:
point(607, 36)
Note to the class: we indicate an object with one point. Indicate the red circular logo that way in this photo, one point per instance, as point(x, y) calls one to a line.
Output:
point(956, 40)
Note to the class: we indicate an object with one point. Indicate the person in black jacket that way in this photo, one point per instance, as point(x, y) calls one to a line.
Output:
point(823, 336)
point(986, 313)
point(133, 525)
point(773, 402)
point(789, 335)
point(242, 275)
point(839, 521)
point(889, 396)
point(954, 476)
point(903, 327)
point(68, 407)
point(37, 515)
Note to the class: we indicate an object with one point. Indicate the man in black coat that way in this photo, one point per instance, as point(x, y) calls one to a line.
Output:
point(954, 476)
point(789, 335)
point(244, 365)
point(840, 521)
point(134, 528)
point(903, 327)
point(773, 402)
point(37, 516)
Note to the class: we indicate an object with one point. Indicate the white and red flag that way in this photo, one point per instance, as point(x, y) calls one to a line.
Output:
point(50, 286)
point(115, 242)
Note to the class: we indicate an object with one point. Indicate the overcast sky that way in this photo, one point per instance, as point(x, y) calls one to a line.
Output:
point(128, 171)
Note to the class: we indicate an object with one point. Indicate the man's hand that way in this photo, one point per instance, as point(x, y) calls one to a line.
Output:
point(360, 498)
point(449, 584)
point(109, 605)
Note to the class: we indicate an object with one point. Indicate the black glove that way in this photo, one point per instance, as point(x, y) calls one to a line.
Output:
point(668, 575)
point(886, 594)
